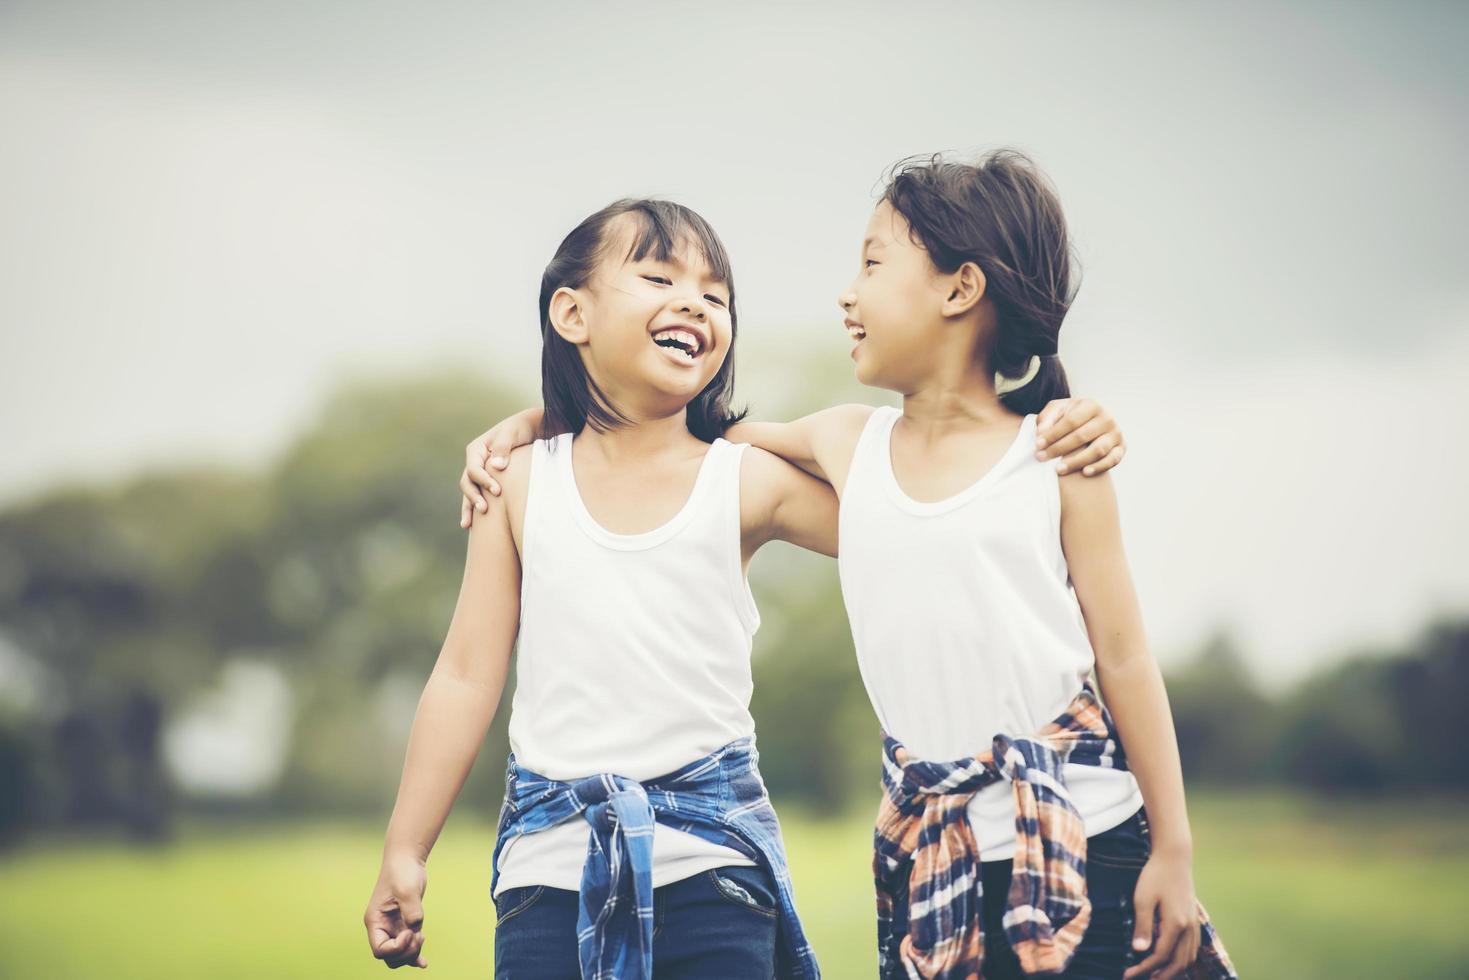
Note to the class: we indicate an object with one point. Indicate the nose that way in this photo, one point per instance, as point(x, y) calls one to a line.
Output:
point(693, 308)
point(847, 300)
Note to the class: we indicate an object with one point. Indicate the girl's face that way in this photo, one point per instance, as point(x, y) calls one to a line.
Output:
point(893, 306)
point(655, 331)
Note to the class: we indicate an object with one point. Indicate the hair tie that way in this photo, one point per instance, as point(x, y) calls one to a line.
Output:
point(1004, 385)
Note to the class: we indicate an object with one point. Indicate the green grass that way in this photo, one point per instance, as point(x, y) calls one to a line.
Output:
point(1298, 888)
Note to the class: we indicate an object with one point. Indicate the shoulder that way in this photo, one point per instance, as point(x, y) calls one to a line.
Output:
point(840, 429)
point(507, 509)
point(846, 421)
point(515, 478)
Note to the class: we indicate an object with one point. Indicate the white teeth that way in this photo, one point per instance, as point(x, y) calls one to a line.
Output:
point(857, 333)
point(689, 341)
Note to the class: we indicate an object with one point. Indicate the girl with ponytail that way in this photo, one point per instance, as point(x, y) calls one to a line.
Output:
point(1025, 829)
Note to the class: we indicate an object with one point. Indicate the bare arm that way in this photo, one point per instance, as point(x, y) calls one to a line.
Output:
point(455, 711)
point(1077, 431)
point(1132, 687)
point(1081, 434)
point(820, 443)
point(779, 502)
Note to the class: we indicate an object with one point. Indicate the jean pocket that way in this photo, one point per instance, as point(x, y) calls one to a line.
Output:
point(1124, 846)
point(749, 888)
point(513, 901)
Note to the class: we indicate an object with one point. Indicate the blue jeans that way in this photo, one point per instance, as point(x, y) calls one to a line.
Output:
point(1114, 859)
point(719, 923)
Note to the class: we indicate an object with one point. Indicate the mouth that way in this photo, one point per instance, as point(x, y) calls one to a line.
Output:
point(683, 343)
point(856, 331)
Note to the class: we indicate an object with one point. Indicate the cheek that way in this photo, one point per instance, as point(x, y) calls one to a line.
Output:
point(721, 354)
point(885, 290)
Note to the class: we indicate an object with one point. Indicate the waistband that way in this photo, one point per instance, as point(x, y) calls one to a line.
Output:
point(720, 798)
point(923, 834)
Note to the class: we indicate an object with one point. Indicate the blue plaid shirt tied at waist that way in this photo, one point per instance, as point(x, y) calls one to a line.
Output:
point(720, 798)
point(932, 929)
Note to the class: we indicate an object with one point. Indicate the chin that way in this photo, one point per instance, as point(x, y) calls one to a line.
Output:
point(872, 378)
point(683, 392)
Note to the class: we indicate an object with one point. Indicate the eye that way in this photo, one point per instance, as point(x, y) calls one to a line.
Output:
point(714, 299)
point(870, 263)
point(660, 280)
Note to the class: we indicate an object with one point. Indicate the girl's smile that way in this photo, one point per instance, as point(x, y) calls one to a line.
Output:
point(682, 343)
point(857, 332)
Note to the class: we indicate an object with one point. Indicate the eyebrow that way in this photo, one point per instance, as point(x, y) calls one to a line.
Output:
point(870, 241)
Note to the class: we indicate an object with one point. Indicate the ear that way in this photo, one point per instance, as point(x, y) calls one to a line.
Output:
point(966, 289)
point(567, 316)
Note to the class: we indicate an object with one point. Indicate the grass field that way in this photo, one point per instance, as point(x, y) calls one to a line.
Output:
point(1299, 888)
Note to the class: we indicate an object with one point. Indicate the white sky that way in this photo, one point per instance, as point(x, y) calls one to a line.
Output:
point(207, 211)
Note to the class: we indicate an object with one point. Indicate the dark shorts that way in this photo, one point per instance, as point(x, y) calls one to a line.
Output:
point(719, 923)
point(1114, 860)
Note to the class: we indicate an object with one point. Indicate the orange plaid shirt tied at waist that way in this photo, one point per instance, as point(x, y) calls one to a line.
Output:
point(932, 929)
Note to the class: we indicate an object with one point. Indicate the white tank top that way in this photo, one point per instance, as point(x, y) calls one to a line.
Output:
point(965, 622)
point(633, 656)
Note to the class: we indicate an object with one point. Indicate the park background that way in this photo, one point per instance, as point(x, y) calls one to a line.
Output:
point(265, 269)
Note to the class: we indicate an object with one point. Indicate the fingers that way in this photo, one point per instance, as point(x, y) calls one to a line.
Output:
point(492, 449)
point(1066, 416)
point(474, 474)
point(1185, 951)
point(1080, 435)
point(476, 451)
point(1145, 908)
point(480, 476)
point(471, 492)
point(410, 907)
point(412, 954)
point(1166, 948)
point(500, 448)
point(395, 930)
point(1047, 418)
point(1095, 457)
point(1113, 457)
point(387, 945)
point(409, 942)
point(499, 458)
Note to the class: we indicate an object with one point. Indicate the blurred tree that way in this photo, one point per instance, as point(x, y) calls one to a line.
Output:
point(1225, 725)
point(1383, 718)
point(342, 561)
point(818, 738)
point(339, 566)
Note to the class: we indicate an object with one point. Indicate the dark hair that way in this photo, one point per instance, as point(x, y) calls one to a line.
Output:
point(1001, 214)
point(572, 399)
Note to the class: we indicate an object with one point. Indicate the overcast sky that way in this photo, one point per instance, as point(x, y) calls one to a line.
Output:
point(209, 211)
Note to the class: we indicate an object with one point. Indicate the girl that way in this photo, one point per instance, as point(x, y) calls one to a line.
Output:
point(615, 561)
point(983, 588)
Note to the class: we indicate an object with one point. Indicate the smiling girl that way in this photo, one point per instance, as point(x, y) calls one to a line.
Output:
point(636, 828)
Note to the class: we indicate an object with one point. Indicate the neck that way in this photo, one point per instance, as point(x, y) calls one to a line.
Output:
point(641, 439)
point(960, 392)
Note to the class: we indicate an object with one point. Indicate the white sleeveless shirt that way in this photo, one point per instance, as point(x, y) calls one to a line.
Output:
point(633, 656)
point(965, 621)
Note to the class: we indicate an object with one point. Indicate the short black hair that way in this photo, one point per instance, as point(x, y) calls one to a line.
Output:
point(572, 399)
point(1003, 215)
